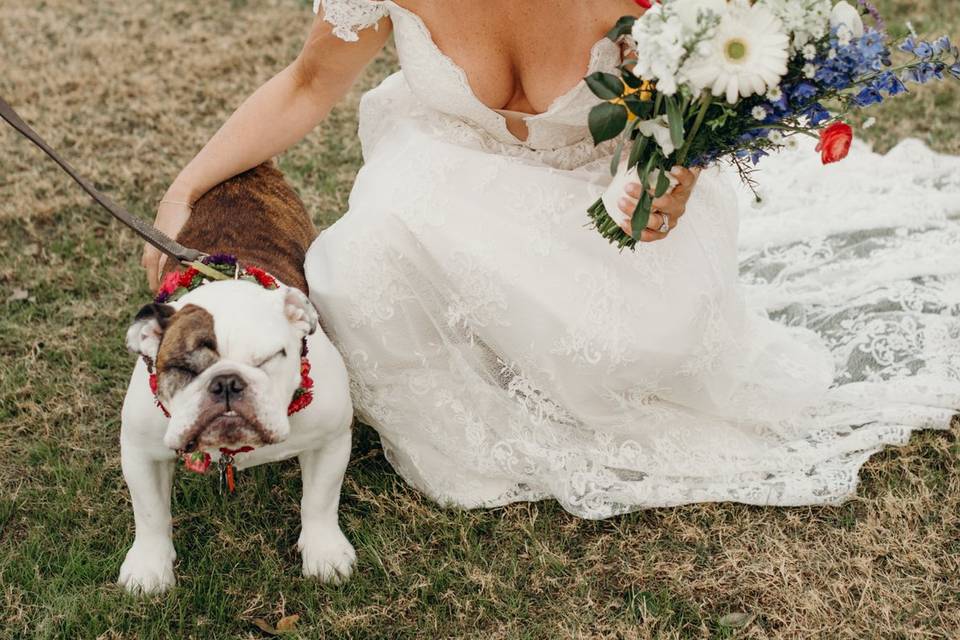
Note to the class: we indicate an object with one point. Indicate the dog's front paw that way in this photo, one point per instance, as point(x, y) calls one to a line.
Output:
point(148, 567)
point(327, 554)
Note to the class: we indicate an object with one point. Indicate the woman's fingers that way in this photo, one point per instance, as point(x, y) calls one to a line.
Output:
point(633, 190)
point(153, 262)
point(149, 263)
point(171, 216)
point(673, 204)
point(651, 233)
point(686, 177)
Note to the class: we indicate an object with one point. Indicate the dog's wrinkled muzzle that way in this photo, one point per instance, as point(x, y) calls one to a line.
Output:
point(227, 418)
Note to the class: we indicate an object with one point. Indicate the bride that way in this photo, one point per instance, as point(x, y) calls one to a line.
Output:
point(505, 352)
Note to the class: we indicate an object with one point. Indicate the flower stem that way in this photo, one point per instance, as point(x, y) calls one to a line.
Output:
point(706, 99)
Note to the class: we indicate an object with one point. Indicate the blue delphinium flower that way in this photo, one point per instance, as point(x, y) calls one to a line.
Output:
point(890, 83)
point(868, 96)
point(802, 93)
point(872, 47)
point(846, 64)
point(817, 114)
point(941, 45)
point(923, 50)
point(955, 71)
point(925, 72)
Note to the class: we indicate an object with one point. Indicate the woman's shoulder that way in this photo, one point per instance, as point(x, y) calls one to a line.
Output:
point(349, 17)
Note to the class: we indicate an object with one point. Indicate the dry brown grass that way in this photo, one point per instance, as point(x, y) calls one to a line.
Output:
point(130, 91)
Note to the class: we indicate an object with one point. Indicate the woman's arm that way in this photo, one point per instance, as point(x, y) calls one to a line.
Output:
point(279, 114)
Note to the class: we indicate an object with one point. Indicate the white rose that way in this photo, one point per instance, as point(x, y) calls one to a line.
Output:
point(846, 15)
point(659, 128)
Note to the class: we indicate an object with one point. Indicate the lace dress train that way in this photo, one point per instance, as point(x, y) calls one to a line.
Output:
point(505, 352)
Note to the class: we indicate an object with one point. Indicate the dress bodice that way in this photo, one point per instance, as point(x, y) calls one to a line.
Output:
point(439, 83)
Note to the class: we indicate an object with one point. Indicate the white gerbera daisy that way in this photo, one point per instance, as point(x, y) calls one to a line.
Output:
point(748, 54)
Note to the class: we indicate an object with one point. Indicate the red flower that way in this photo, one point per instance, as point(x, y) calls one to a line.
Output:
point(265, 279)
point(646, 4)
point(300, 403)
point(187, 277)
point(153, 389)
point(170, 283)
point(198, 461)
point(835, 142)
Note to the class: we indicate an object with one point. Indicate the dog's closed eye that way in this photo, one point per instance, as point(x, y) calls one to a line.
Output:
point(185, 370)
point(279, 354)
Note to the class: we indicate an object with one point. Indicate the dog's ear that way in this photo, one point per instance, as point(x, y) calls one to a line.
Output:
point(144, 335)
point(300, 311)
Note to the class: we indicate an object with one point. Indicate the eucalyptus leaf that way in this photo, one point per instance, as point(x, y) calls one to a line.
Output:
point(605, 86)
point(607, 121)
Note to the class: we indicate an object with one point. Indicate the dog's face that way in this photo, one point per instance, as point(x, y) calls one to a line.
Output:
point(227, 360)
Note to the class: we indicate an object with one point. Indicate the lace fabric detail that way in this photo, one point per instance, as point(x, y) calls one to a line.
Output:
point(349, 17)
point(760, 354)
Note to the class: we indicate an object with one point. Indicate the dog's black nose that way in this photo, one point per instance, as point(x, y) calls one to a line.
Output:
point(227, 387)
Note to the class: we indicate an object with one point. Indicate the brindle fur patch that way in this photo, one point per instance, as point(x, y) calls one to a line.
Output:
point(189, 346)
point(257, 217)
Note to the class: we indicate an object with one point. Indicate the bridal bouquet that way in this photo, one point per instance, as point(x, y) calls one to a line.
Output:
point(712, 80)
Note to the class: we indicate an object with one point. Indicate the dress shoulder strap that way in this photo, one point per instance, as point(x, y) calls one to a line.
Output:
point(349, 17)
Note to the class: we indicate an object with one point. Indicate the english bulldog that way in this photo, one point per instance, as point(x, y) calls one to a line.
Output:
point(226, 359)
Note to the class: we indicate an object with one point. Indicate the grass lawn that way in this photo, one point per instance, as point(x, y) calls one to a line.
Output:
point(129, 91)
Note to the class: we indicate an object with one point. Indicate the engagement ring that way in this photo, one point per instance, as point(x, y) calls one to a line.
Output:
point(665, 227)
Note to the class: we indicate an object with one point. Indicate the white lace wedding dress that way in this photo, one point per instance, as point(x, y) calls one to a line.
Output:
point(505, 352)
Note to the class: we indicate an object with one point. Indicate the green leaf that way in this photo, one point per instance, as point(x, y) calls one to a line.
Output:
point(641, 109)
point(641, 216)
point(607, 121)
point(629, 79)
point(623, 27)
point(617, 156)
point(605, 86)
point(663, 183)
point(676, 121)
point(639, 147)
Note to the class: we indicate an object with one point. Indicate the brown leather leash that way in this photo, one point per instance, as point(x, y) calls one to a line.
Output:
point(160, 240)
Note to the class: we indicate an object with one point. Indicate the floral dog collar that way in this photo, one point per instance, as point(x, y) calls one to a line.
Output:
point(178, 284)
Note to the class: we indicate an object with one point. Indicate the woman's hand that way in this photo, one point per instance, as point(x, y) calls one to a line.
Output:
point(673, 204)
point(276, 116)
point(171, 216)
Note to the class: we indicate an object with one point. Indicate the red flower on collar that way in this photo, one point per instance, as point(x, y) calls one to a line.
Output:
point(266, 280)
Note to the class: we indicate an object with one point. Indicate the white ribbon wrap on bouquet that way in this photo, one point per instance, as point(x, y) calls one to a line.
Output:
point(618, 189)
